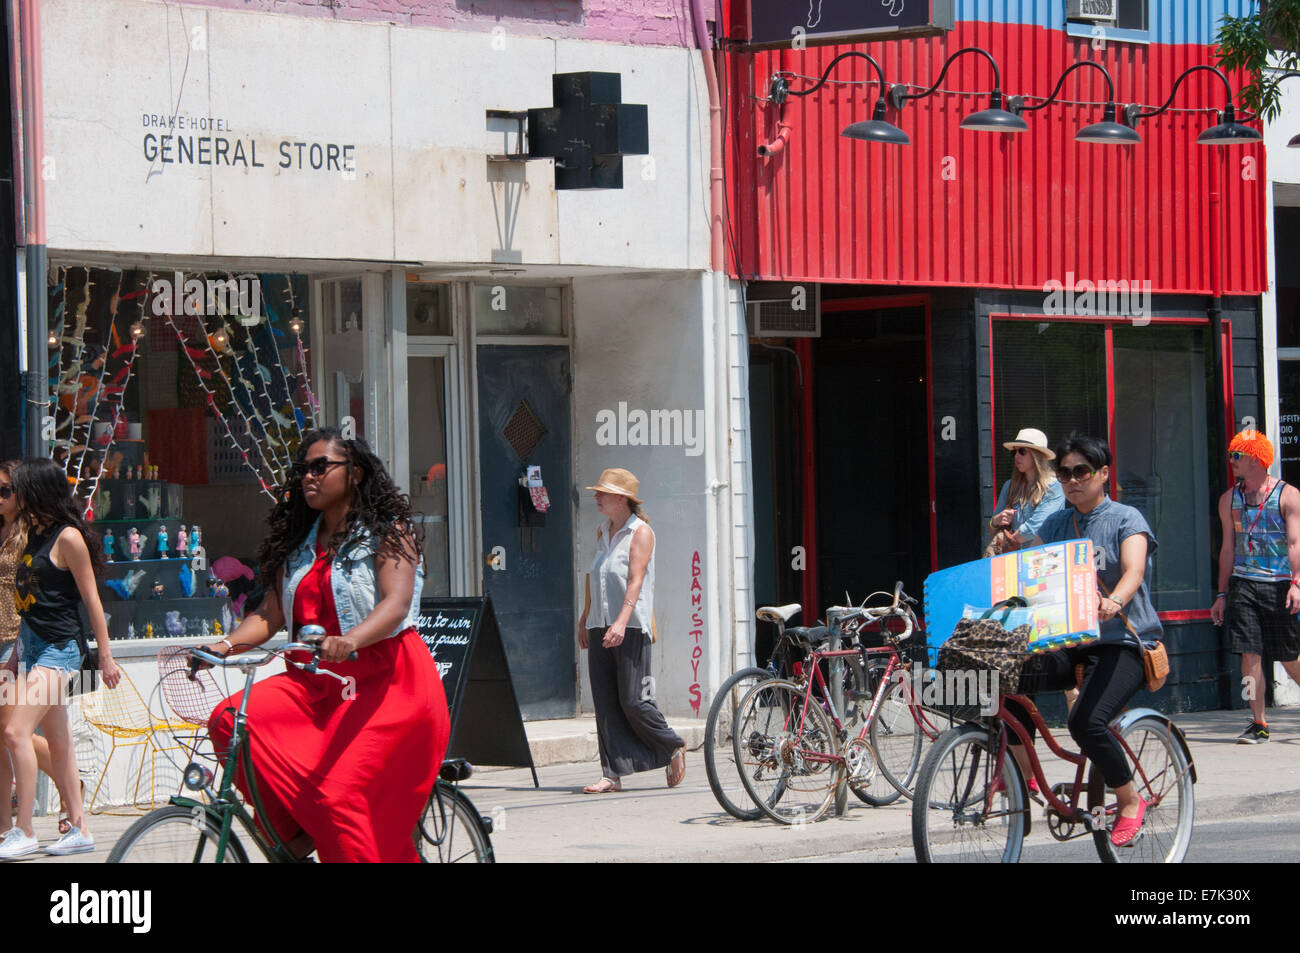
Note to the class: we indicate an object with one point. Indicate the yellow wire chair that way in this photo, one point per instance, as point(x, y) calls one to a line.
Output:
point(122, 715)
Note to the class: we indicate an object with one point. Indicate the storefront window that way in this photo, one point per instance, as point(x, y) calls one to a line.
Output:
point(179, 402)
point(1053, 376)
point(345, 357)
point(518, 309)
point(428, 310)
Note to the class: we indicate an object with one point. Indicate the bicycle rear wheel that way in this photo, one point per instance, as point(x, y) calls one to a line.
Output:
point(1162, 776)
point(788, 756)
point(965, 810)
point(720, 753)
point(451, 831)
point(175, 835)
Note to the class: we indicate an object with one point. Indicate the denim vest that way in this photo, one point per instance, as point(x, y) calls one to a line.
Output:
point(352, 581)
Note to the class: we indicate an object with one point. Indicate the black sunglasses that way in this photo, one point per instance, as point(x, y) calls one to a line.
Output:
point(317, 468)
point(1020, 450)
point(6, 492)
point(1079, 473)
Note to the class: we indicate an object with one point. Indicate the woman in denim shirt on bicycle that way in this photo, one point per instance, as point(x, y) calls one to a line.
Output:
point(348, 768)
point(1111, 668)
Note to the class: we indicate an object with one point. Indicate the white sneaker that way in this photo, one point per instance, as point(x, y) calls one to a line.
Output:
point(73, 842)
point(17, 844)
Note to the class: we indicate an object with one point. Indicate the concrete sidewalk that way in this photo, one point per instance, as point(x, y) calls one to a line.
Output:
point(649, 822)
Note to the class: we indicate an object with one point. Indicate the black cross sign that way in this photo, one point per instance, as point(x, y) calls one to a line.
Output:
point(588, 131)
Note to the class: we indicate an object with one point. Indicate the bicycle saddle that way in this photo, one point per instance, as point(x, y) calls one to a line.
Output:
point(779, 613)
point(810, 635)
point(455, 769)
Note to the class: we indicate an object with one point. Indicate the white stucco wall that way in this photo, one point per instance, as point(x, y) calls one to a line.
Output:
point(640, 341)
point(409, 104)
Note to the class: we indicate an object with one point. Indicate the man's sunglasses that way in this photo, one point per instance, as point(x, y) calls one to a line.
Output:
point(6, 492)
point(1079, 473)
point(317, 468)
point(1236, 455)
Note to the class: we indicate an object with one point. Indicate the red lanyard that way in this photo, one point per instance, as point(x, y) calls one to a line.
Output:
point(1251, 529)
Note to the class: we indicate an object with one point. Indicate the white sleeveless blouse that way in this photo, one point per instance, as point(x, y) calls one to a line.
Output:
point(609, 580)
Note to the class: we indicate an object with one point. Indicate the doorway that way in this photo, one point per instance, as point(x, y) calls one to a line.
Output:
point(872, 499)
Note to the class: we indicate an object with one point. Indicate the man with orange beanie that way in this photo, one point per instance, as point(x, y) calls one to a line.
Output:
point(1259, 570)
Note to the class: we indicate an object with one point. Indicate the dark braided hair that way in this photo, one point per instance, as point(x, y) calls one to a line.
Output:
point(377, 505)
point(45, 498)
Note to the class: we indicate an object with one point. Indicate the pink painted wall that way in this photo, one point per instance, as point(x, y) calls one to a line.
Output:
point(637, 22)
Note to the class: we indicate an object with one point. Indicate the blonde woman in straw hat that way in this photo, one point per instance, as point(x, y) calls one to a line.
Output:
point(1029, 497)
point(616, 630)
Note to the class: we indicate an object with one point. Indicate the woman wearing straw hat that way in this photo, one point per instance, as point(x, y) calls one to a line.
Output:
point(615, 629)
point(1029, 497)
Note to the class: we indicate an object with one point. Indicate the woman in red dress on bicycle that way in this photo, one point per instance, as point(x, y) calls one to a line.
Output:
point(347, 768)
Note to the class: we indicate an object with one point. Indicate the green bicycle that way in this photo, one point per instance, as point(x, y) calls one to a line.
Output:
point(188, 830)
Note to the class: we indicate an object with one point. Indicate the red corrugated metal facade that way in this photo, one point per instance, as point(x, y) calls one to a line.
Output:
point(958, 208)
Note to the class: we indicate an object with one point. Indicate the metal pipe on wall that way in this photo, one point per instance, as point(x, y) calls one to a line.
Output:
point(33, 224)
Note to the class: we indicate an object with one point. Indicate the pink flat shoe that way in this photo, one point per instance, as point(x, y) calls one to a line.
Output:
point(1126, 828)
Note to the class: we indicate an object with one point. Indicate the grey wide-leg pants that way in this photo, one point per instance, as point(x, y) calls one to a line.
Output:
point(631, 730)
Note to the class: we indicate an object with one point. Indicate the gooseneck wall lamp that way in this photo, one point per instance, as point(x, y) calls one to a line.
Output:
point(875, 129)
point(1106, 132)
point(1227, 132)
point(993, 119)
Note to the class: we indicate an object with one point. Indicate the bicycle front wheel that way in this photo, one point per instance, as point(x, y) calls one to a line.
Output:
point(175, 835)
point(788, 756)
point(967, 810)
point(451, 830)
point(1163, 778)
point(896, 738)
point(719, 752)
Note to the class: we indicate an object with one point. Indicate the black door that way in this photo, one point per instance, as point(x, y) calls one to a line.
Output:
point(523, 394)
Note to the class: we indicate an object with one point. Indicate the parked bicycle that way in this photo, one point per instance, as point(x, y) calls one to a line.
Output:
point(793, 749)
point(188, 830)
point(968, 810)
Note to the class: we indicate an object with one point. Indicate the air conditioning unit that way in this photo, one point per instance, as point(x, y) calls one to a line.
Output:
point(786, 310)
point(1097, 11)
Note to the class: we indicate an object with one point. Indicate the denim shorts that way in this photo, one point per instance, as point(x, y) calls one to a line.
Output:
point(36, 651)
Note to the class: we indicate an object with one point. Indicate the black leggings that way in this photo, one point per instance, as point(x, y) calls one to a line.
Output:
point(1112, 676)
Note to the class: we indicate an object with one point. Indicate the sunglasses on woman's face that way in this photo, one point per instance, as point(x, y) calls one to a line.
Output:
point(6, 491)
point(317, 468)
point(1079, 473)
point(1021, 451)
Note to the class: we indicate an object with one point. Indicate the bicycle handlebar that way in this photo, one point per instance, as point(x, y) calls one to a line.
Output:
point(248, 660)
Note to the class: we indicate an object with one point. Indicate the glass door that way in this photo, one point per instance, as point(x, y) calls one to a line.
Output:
point(434, 475)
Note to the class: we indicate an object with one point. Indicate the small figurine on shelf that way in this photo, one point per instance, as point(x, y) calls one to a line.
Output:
point(130, 630)
point(207, 629)
point(182, 541)
point(196, 538)
point(158, 590)
point(175, 624)
point(148, 630)
point(187, 579)
point(109, 543)
point(133, 543)
point(218, 588)
point(162, 541)
point(216, 629)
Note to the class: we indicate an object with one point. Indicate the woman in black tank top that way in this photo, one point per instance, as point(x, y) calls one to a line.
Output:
point(56, 574)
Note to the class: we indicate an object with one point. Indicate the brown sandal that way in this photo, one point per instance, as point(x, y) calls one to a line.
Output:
point(676, 769)
point(604, 786)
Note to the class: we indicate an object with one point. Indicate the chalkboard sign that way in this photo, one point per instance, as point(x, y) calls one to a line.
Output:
point(798, 23)
point(486, 725)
